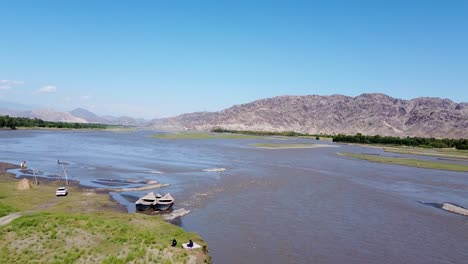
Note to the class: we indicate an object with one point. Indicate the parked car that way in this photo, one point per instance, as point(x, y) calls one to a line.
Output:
point(61, 191)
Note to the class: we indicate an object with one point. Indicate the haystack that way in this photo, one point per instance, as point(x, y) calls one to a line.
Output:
point(23, 184)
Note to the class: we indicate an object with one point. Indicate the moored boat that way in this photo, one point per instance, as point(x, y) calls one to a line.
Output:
point(164, 203)
point(146, 202)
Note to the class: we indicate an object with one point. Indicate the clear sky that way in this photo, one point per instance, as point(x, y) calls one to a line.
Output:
point(162, 58)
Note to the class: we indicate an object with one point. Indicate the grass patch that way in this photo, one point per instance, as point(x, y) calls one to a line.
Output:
point(93, 238)
point(85, 227)
point(6, 209)
point(121, 129)
point(410, 162)
point(288, 146)
point(193, 135)
point(444, 153)
point(43, 196)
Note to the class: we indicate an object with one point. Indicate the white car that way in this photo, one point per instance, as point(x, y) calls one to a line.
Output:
point(61, 191)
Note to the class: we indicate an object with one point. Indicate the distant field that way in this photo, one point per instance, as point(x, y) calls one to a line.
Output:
point(443, 152)
point(410, 162)
point(288, 146)
point(121, 129)
point(193, 135)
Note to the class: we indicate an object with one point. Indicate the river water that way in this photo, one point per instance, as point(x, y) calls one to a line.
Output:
point(269, 206)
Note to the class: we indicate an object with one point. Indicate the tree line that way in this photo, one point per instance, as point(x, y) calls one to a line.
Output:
point(14, 122)
point(362, 139)
point(404, 141)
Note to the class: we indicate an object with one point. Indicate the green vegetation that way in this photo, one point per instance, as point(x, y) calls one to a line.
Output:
point(408, 141)
point(6, 209)
point(361, 139)
point(85, 227)
point(410, 162)
point(267, 133)
point(15, 122)
point(121, 128)
point(288, 146)
point(94, 238)
point(193, 135)
point(443, 153)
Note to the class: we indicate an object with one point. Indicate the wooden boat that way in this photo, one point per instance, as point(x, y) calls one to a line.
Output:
point(164, 203)
point(146, 202)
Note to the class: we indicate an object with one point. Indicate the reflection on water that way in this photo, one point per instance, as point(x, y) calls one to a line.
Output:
point(269, 206)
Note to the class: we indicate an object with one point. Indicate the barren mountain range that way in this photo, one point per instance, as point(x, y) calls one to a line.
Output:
point(369, 114)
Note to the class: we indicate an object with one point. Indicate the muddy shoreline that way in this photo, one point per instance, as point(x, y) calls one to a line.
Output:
point(4, 167)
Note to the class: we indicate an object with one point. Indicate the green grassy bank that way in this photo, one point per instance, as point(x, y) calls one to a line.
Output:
point(200, 135)
point(409, 162)
point(288, 146)
point(85, 227)
point(443, 153)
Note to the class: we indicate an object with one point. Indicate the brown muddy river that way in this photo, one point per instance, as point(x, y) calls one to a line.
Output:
point(270, 206)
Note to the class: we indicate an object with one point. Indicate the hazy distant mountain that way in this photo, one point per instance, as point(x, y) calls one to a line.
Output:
point(369, 114)
point(124, 120)
point(44, 114)
point(90, 117)
point(78, 115)
point(111, 120)
point(52, 115)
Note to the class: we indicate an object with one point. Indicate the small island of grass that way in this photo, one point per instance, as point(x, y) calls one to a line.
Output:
point(289, 146)
point(272, 133)
point(409, 162)
point(200, 135)
point(441, 152)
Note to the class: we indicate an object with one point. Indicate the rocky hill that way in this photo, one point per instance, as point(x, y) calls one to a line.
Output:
point(369, 114)
point(90, 117)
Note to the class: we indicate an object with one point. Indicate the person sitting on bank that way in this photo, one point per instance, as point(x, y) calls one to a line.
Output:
point(174, 242)
point(190, 243)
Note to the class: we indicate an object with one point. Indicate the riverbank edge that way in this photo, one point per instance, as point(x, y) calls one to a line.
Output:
point(430, 152)
point(117, 208)
point(424, 164)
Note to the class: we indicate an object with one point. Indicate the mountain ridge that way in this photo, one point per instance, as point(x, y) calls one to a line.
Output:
point(368, 113)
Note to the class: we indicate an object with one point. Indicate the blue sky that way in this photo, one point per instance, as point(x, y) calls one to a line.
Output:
point(162, 58)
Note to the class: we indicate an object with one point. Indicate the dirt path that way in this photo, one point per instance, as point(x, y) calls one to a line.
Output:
point(8, 218)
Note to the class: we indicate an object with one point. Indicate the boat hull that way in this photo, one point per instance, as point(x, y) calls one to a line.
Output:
point(143, 207)
point(163, 207)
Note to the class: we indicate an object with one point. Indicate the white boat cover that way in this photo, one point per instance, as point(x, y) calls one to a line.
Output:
point(195, 245)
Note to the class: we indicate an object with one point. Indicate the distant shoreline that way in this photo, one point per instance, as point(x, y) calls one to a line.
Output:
point(408, 162)
point(290, 146)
